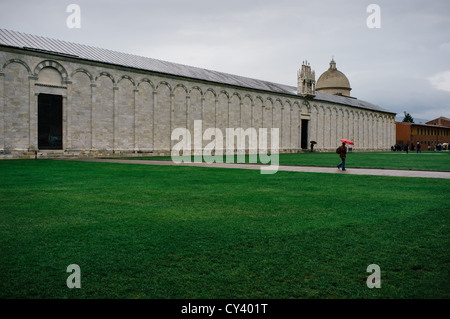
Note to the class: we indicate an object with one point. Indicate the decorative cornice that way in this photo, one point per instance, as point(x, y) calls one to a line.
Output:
point(51, 86)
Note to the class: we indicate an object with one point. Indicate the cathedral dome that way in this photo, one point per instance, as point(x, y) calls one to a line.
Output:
point(333, 81)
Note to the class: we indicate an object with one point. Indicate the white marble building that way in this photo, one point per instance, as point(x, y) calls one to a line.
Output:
point(68, 99)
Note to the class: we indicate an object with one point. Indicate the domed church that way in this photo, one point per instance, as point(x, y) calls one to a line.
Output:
point(61, 99)
point(333, 81)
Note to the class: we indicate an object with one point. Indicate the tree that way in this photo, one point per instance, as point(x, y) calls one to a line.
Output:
point(408, 118)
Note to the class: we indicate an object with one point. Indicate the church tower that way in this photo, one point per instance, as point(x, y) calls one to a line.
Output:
point(306, 81)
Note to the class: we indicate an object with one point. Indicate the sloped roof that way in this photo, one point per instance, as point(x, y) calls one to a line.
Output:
point(36, 43)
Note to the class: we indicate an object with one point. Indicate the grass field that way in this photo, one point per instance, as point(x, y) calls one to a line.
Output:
point(439, 161)
point(140, 231)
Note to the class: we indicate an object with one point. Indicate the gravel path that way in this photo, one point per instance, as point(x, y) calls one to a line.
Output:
point(311, 169)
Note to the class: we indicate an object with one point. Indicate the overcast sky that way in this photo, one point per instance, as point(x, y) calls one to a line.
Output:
point(402, 66)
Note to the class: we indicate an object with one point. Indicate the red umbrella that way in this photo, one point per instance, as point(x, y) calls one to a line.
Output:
point(343, 140)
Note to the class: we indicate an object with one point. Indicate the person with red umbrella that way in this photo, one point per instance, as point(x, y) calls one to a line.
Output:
point(342, 151)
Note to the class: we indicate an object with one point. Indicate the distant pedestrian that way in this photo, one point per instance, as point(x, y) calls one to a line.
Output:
point(342, 151)
point(406, 148)
point(418, 148)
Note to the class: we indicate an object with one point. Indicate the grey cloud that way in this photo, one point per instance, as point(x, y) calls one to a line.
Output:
point(392, 66)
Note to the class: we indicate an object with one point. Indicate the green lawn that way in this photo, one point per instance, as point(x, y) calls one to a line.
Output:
point(439, 161)
point(140, 231)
